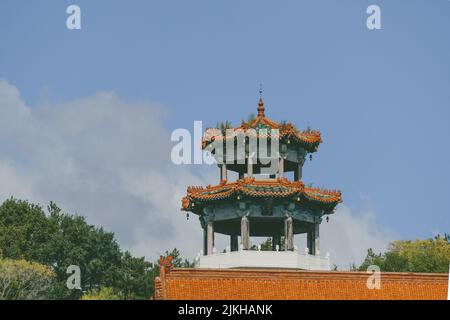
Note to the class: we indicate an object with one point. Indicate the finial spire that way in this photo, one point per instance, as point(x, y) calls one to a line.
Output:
point(260, 103)
point(261, 108)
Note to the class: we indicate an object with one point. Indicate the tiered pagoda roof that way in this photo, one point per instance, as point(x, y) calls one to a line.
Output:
point(262, 201)
point(308, 139)
point(273, 188)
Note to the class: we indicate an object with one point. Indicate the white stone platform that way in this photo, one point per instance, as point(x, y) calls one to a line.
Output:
point(263, 259)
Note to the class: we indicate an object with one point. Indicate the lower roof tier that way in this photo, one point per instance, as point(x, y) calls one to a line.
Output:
point(250, 188)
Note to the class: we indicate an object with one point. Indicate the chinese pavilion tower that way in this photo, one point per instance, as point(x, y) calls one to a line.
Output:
point(258, 204)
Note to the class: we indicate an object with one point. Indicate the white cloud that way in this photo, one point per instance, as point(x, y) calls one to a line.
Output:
point(14, 183)
point(102, 158)
point(109, 160)
point(348, 236)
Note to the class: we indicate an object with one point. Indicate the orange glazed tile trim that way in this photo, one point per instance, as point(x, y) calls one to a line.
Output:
point(309, 138)
point(279, 188)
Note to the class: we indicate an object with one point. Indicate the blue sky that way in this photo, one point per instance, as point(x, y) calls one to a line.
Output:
point(380, 98)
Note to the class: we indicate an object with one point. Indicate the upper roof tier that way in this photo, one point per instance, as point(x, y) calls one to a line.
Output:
point(308, 140)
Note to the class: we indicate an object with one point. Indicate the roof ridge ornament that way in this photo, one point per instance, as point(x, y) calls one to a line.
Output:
point(260, 102)
point(165, 265)
point(261, 107)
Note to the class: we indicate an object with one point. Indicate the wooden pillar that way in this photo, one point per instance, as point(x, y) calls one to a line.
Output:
point(249, 167)
point(210, 237)
point(289, 234)
point(313, 239)
point(245, 233)
point(281, 168)
point(316, 240)
point(223, 172)
point(234, 244)
point(310, 242)
point(205, 242)
point(298, 172)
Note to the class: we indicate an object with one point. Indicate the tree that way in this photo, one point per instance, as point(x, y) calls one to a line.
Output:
point(104, 293)
point(177, 260)
point(24, 229)
point(135, 280)
point(223, 126)
point(58, 240)
point(23, 280)
point(430, 255)
point(266, 245)
point(74, 242)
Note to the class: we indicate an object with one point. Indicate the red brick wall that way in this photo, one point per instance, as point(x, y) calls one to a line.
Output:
point(256, 284)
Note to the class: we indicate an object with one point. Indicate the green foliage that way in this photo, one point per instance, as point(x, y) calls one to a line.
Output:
point(284, 124)
point(135, 279)
point(223, 126)
point(24, 228)
point(430, 255)
point(23, 280)
point(177, 260)
point(104, 293)
point(59, 240)
point(74, 242)
point(266, 245)
point(251, 117)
